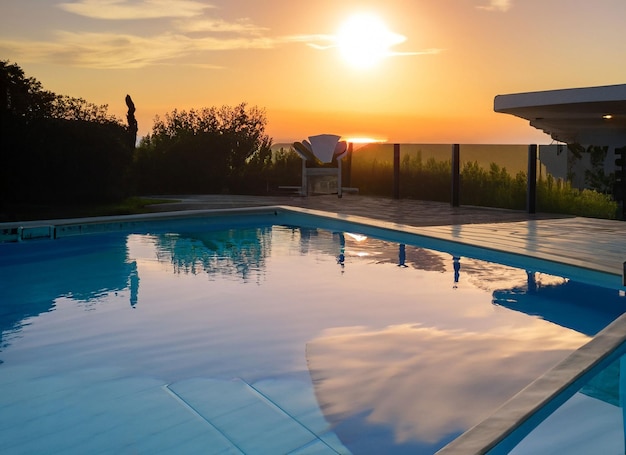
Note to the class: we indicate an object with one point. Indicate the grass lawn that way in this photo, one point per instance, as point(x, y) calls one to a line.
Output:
point(128, 206)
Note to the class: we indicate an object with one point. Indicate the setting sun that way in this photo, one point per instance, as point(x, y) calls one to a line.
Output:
point(411, 71)
point(364, 40)
point(364, 140)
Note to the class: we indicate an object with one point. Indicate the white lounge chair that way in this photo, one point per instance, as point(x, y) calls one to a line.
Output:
point(317, 154)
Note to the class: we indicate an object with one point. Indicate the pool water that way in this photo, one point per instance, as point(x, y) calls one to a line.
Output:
point(269, 339)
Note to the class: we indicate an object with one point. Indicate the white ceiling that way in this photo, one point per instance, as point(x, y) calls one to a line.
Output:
point(573, 115)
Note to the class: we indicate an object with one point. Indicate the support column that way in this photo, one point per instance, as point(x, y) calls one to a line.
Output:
point(531, 184)
point(396, 171)
point(456, 176)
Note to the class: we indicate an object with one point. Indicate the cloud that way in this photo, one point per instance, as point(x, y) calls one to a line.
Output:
point(128, 10)
point(191, 33)
point(329, 42)
point(122, 51)
point(326, 42)
point(497, 5)
point(431, 51)
point(125, 51)
point(319, 42)
point(241, 26)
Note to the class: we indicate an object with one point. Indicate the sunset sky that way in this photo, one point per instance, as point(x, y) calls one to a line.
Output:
point(423, 71)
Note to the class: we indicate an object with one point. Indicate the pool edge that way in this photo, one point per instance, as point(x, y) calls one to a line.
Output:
point(488, 434)
point(15, 231)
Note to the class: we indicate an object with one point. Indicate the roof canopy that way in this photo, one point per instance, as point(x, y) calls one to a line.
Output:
point(590, 116)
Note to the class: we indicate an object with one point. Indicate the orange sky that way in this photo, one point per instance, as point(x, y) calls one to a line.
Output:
point(436, 86)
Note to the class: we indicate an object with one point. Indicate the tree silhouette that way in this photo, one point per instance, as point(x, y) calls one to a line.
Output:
point(205, 150)
point(56, 148)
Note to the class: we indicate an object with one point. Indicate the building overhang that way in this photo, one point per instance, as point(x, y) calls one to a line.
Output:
point(589, 116)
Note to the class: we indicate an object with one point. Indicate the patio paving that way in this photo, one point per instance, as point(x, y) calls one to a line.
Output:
point(402, 211)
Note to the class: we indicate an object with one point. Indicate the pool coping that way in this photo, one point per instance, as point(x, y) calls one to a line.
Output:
point(478, 440)
point(486, 436)
point(435, 232)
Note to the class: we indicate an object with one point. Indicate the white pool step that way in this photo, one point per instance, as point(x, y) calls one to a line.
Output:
point(104, 411)
point(271, 416)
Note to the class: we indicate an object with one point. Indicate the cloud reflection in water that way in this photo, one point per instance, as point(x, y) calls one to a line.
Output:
point(427, 382)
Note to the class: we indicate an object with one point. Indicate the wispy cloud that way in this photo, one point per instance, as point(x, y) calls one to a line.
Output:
point(497, 5)
point(241, 26)
point(326, 42)
point(142, 9)
point(122, 51)
point(316, 41)
point(431, 51)
point(191, 34)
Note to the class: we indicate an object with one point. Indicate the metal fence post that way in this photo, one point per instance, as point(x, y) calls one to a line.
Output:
point(531, 184)
point(348, 167)
point(456, 176)
point(396, 171)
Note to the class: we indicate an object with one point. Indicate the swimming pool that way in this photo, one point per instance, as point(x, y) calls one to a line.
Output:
point(270, 333)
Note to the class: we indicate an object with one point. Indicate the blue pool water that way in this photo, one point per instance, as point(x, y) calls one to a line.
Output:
point(269, 338)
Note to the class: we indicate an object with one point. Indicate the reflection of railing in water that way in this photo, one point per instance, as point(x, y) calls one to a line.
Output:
point(346, 245)
point(243, 254)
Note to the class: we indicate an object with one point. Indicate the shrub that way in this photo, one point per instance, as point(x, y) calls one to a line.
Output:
point(492, 188)
point(558, 196)
point(428, 181)
point(206, 150)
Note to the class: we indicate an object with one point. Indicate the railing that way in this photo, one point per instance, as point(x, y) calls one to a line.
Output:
point(433, 171)
point(488, 175)
point(471, 174)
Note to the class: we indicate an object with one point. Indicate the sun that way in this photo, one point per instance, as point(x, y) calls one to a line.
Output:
point(364, 40)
